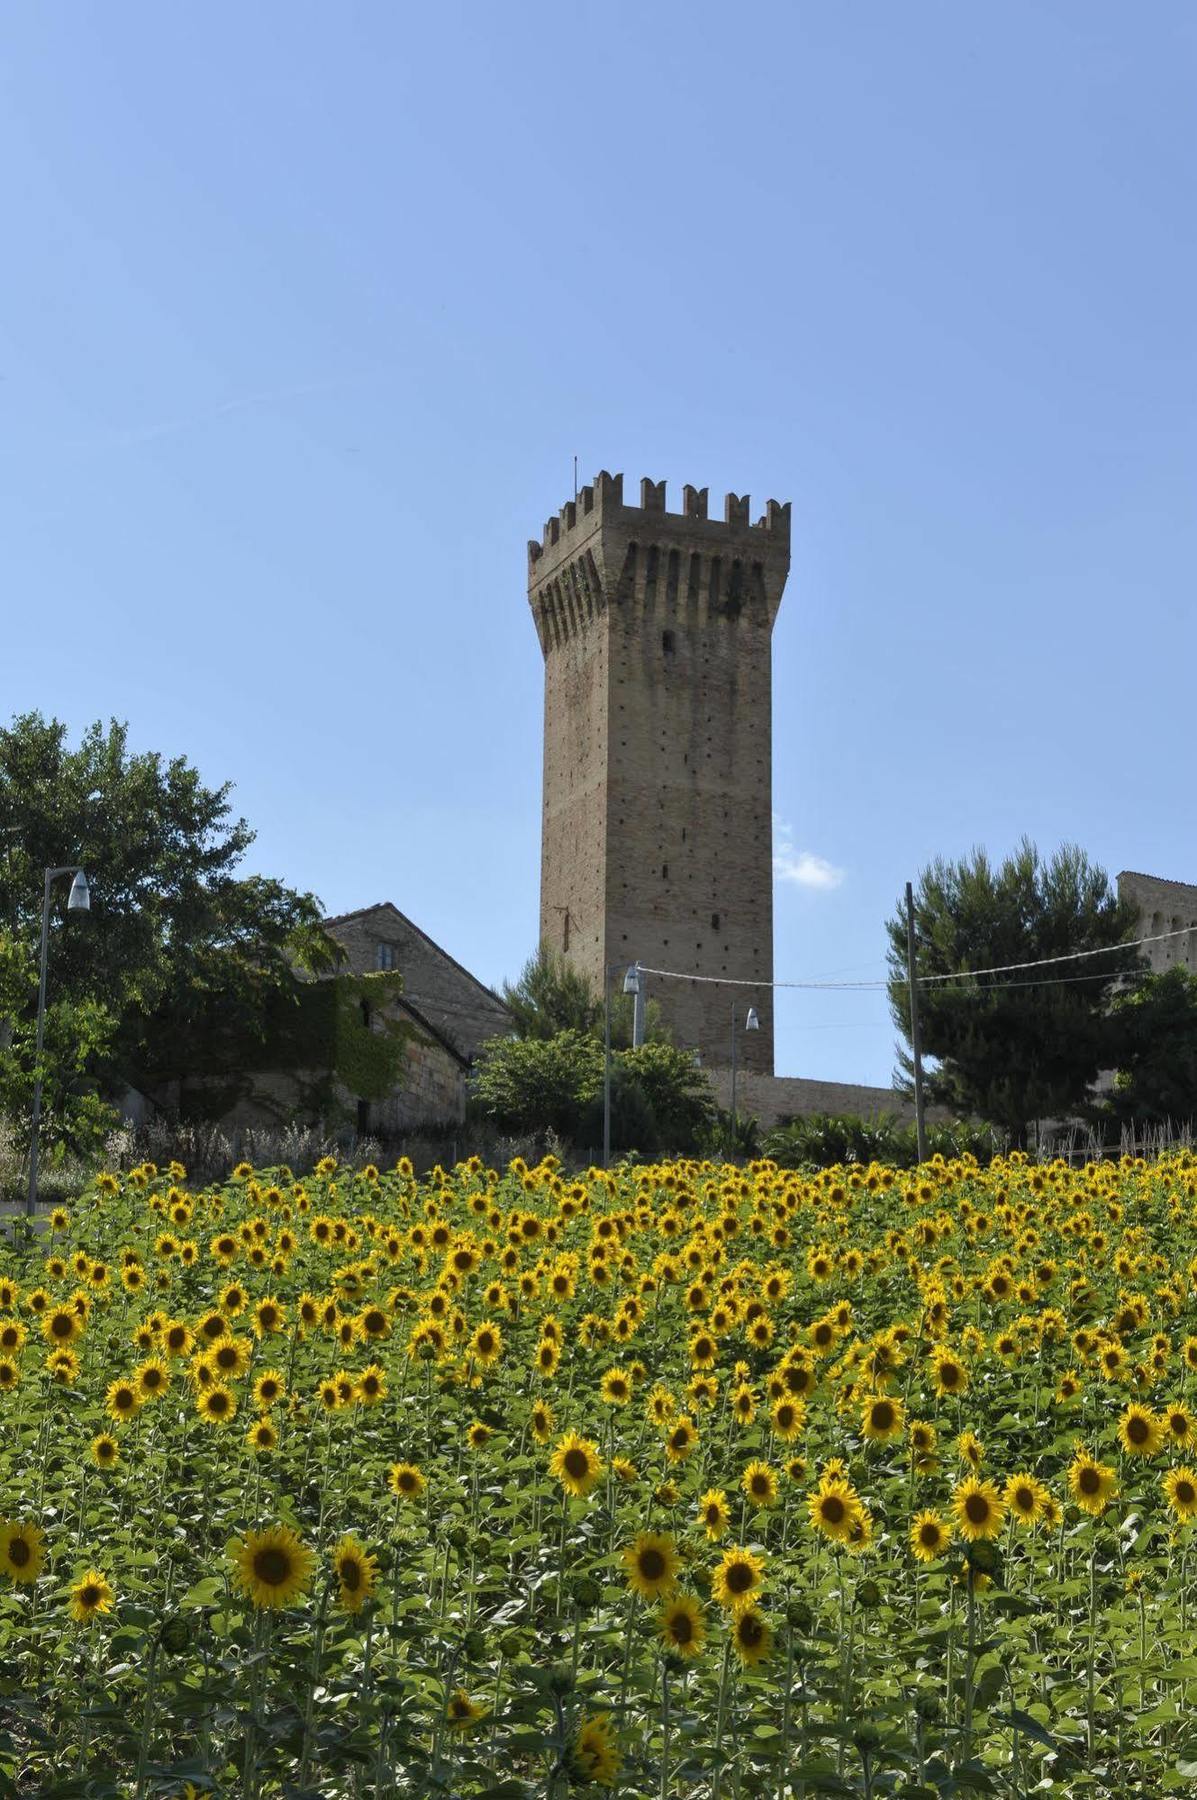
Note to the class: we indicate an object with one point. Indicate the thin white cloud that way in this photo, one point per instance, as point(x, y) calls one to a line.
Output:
point(801, 868)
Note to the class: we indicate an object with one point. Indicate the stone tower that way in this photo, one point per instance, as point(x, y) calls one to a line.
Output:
point(657, 838)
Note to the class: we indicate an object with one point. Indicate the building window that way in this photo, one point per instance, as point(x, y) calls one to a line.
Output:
point(384, 956)
point(714, 921)
point(363, 1117)
point(667, 642)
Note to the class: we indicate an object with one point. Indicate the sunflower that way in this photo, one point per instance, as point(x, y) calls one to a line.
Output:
point(371, 1385)
point(833, 1509)
point(405, 1481)
point(22, 1550)
point(652, 1564)
point(90, 1595)
point(752, 1635)
point(929, 1536)
point(680, 1439)
point(1091, 1484)
point(594, 1754)
point(273, 1566)
point(788, 1418)
point(738, 1576)
point(61, 1325)
point(948, 1373)
point(217, 1404)
point(230, 1357)
point(262, 1437)
point(356, 1571)
point(1180, 1485)
point(576, 1464)
point(269, 1389)
point(461, 1712)
point(10, 1374)
point(152, 1377)
point(759, 1484)
point(882, 1418)
point(105, 1451)
point(541, 1420)
point(979, 1509)
point(268, 1316)
point(1024, 1497)
point(478, 1435)
point(1179, 1424)
point(713, 1513)
point(1140, 1432)
point(486, 1346)
point(122, 1399)
point(1068, 1388)
point(682, 1626)
point(616, 1387)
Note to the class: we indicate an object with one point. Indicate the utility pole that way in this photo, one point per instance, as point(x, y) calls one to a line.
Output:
point(916, 1043)
point(639, 1003)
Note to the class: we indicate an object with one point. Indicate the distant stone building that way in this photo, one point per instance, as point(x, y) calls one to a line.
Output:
point(1164, 907)
point(384, 1045)
point(657, 827)
point(450, 1012)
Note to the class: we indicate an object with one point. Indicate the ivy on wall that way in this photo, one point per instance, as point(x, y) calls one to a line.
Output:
point(336, 1030)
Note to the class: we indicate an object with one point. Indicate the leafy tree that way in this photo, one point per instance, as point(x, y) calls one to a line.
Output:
point(1013, 1047)
point(658, 1098)
point(179, 957)
point(551, 995)
point(538, 1084)
point(1156, 1030)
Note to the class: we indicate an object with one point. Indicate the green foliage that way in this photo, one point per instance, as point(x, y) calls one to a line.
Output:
point(658, 1097)
point(178, 960)
point(1156, 1029)
point(1013, 1048)
point(552, 996)
point(826, 1140)
point(539, 1084)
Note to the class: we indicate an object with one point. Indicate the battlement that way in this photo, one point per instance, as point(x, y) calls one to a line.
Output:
point(601, 502)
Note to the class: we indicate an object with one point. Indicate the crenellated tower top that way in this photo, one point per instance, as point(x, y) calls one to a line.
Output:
point(597, 551)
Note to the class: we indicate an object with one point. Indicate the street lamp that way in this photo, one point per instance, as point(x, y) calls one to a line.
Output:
point(751, 1023)
point(78, 900)
point(631, 985)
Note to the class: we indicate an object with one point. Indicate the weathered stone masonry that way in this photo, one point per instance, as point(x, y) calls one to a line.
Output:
point(657, 840)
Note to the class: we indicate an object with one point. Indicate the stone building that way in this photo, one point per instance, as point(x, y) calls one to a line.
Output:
point(657, 841)
point(1164, 907)
point(449, 1011)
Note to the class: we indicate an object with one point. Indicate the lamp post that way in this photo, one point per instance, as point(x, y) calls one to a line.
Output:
point(751, 1023)
point(631, 985)
point(78, 900)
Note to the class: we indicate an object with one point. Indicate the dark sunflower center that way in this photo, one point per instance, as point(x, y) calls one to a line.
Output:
point(20, 1551)
point(760, 1484)
point(1024, 1499)
point(682, 1628)
point(976, 1508)
point(652, 1564)
point(61, 1325)
point(739, 1578)
point(272, 1566)
point(351, 1573)
point(929, 1535)
point(833, 1509)
point(407, 1481)
point(750, 1630)
point(1138, 1430)
point(89, 1594)
point(576, 1463)
point(1089, 1481)
point(883, 1417)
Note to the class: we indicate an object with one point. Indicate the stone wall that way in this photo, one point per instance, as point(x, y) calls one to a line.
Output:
point(771, 1098)
point(657, 814)
point(461, 1008)
point(1163, 906)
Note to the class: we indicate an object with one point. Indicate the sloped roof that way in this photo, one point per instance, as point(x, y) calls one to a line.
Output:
point(361, 912)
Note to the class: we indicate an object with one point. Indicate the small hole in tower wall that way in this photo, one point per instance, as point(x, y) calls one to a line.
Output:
point(667, 643)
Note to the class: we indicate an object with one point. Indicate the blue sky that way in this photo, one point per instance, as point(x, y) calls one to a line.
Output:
point(307, 310)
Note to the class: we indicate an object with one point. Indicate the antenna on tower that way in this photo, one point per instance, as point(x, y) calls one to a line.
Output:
point(575, 481)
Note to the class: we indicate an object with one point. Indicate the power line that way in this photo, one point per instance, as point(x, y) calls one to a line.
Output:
point(1042, 962)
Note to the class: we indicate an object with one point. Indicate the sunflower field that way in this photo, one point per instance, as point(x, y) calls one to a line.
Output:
point(684, 1480)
